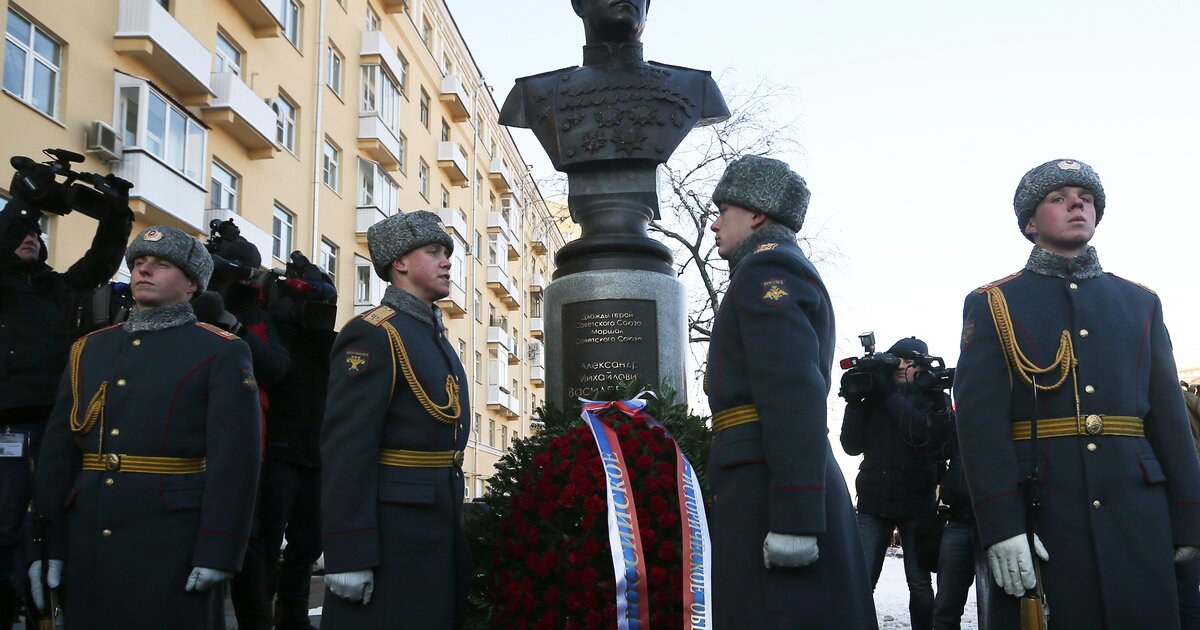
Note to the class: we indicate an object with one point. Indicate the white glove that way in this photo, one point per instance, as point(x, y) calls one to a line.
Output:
point(204, 578)
point(1012, 566)
point(53, 580)
point(1185, 553)
point(355, 586)
point(787, 550)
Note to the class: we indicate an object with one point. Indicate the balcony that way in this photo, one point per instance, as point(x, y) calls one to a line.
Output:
point(513, 299)
point(500, 176)
point(242, 114)
point(498, 281)
point(538, 244)
point(454, 305)
point(500, 400)
point(515, 194)
point(259, 237)
point(161, 195)
point(536, 282)
point(260, 15)
point(379, 142)
point(394, 6)
point(537, 327)
point(376, 49)
point(497, 334)
point(514, 352)
point(147, 31)
point(537, 375)
point(454, 97)
point(452, 162)
point(366, 216)
point(453, 221)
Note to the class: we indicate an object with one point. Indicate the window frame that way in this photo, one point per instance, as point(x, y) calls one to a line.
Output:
point(229, 192)
point(281, 218)
point(177, 125)
point(328, 258)
point(32, 57)
point(334, 69)
point(289, 16)
point(331, 166)
point(285, 122)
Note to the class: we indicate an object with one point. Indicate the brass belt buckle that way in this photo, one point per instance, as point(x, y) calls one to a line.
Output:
point(458, 459)
point(1094, 424)
point(112, 462)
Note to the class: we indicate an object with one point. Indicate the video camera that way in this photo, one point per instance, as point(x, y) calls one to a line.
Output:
point(861, 372)
point(302, 292)
point(36, 184)
point(221, 236)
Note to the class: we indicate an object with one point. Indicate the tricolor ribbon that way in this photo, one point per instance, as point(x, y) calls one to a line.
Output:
point(633, 610)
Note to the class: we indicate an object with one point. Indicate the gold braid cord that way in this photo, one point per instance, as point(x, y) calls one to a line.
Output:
point(437, 411)
point(1064, 361)
point(95, 408)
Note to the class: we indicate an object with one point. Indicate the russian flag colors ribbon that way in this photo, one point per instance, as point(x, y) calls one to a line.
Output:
point(629, 567)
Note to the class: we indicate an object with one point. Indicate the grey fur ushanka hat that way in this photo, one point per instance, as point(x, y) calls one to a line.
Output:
point(401, 233)
point(1052, 175)
point(766, 185)
point(173, 244)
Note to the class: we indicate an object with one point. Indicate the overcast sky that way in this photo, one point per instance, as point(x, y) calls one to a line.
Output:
point(917, 119)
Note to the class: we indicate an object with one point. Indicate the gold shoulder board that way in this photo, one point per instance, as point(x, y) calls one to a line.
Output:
point(224, 334)
point(378, 315)
point(996, 283)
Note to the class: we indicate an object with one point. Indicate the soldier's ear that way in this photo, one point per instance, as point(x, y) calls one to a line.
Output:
point(399, 265)
point(1031, 227)
point(758, 220)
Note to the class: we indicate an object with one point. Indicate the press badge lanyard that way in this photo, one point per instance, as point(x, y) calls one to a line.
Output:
point(12, 444)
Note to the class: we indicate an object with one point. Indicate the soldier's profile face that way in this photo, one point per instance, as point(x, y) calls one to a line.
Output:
point(425, 272)
point(1064, 221)
point(732, 226)
point(613, 20)
point(157, 282)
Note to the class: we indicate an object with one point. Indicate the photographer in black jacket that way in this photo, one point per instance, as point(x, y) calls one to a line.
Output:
point(38, 313)
point(303, 305)
point(897, 426)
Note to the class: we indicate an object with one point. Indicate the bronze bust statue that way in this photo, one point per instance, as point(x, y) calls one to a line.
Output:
point(608, 124)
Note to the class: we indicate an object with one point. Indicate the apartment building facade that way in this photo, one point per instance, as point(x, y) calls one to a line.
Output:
point(306, 121)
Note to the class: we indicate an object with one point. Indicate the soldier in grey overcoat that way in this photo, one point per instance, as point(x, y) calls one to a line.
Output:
point(786, 549)
point(150, 461)
point(1118, 479)
point(396, 424)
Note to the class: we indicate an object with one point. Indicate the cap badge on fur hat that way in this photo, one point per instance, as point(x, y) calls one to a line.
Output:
point(152, 236)
point(1069, 165)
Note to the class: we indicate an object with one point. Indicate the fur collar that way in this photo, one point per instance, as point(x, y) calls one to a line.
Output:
point(159, 318)
point(770, 233)
point(407, 303)
point(1046, 263)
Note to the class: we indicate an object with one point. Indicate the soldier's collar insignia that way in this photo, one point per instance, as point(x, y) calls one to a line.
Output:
point(356, 362)
point(766, 247)
point(1069, 165)
point(152, 236)
point(248, 381)
point(774, 290)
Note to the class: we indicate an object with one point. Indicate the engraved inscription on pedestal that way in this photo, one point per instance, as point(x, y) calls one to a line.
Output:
point(606, 341)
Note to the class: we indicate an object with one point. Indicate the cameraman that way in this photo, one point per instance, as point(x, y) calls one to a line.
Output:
point(303, 305)
point(898, 428)
point(37, 326)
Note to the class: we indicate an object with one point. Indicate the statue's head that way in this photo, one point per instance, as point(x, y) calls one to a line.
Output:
point(616, 21)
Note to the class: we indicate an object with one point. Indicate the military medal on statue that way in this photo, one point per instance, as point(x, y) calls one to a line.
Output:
point(624, 534)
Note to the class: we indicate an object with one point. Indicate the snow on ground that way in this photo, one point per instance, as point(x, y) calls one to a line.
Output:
point(891, 597)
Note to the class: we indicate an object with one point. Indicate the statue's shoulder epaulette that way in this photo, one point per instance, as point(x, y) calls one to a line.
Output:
point(1136, 284)
point(224, 334)
point(996, 283)
point(378, 315)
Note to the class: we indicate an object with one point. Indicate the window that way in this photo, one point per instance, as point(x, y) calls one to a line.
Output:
point(478, 306)
point(372, 20)
point(478, 368)
point(333, 73)
point(380, 96)
point(285, 122)
point(403, 78)
point(479, 188)
point(281, 232)
point(376, 188)
point(329, 257)
point(445, 131)
point(331, 162)
point(403, 152)
point(223, 191)
point(427, 32)
point(363, 274)
point(462, 351)
point(495, 249)
point(504, 437)
point(227, 57)
point(491, 432)
point(478, 420)
point(478, 251)
point(423, 179)
point(156, 126)
point(424, 108)
point(447, 65)
point(290, 17)
point(458, 267)
point(32, 64)
point(445, 197)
